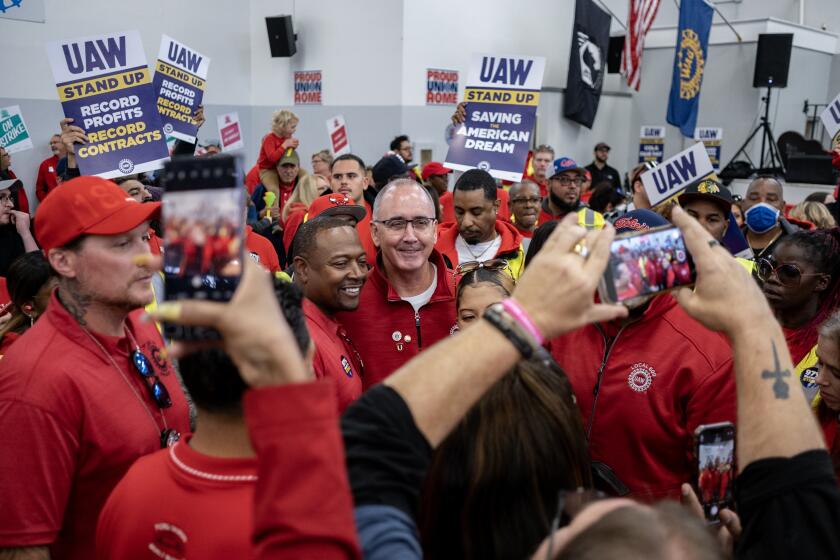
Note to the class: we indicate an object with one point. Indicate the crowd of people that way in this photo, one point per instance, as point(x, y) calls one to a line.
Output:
point(415, 364)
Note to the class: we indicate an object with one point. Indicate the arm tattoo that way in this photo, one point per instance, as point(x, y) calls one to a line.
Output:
point(74, 301)
point(780, 387)
point(28, 553)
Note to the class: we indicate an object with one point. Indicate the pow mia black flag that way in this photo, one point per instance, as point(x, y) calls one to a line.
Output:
point(587, 62)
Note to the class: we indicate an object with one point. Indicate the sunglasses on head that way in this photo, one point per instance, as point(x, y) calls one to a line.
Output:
point(490, 264)
point(156, 388)
point(788, 274)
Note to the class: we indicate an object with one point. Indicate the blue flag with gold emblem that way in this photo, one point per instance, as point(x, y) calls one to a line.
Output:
point(689, 64)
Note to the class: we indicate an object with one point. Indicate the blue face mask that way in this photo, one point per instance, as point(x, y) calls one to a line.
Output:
point(761, 218)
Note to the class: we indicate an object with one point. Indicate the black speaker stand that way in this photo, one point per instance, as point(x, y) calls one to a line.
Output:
point(771, 160)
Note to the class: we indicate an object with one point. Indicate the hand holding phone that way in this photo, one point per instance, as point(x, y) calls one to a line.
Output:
point(203, 228)
point(644, 264)
point(715, 456)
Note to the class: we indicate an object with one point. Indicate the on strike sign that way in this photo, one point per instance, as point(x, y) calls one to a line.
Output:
point(441, 87)
point(230, 133)
point(308, 87)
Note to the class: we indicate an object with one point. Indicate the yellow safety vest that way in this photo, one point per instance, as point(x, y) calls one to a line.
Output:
point(590, 219)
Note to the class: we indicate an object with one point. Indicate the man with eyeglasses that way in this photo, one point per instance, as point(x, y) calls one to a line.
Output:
point(331, 268)
point(563, 191)
point(89, 389)
point(408, 302)
point(524, 207)
point(479, 235)
point(599, 169)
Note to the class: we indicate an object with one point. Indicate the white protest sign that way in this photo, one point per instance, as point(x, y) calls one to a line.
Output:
point(337, 131)
point(14, 136)
point(230, 133)
point(676, 173)
point(831, 119)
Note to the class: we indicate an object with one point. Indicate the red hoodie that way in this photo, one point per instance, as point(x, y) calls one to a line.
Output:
point(511, 246)
point(385, 329)
point(664, 376)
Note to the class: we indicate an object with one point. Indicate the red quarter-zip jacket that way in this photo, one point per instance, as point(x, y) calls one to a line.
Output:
point(663, 376)
point(385, 328)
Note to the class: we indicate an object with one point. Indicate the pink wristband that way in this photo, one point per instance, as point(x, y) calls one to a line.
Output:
point(511, 306)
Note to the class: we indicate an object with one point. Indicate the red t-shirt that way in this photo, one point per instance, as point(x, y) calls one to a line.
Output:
point(271, 150)
point(252, 179)
point(335, 355)
point(261, 250)
point(47, 178)
point(71, 425)
point(208, 513)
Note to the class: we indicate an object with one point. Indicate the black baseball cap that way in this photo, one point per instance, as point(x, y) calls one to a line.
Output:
point(709, 190)
point(603, 145)
point(387, 168)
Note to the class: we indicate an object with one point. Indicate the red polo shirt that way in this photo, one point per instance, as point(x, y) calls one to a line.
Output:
point(335, 355)
point(209, 512)
point(71, 425)
point(261, 250)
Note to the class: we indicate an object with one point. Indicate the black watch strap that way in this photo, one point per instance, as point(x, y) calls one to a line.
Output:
point(511, 329)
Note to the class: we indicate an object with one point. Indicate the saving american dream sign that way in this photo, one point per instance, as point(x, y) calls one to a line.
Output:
point(502, 94)
point(104, 86)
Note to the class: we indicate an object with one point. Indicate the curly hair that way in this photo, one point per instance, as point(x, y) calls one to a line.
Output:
point(281, 119)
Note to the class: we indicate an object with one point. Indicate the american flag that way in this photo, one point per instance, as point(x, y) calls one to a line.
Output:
point(642, 14)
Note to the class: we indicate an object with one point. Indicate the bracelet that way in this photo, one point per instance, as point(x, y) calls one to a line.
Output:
point(511, 329)
point(512, 306)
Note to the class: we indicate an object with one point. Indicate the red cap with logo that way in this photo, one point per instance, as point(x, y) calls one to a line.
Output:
point(434, 168)
point(88, 205)
point(336, 204)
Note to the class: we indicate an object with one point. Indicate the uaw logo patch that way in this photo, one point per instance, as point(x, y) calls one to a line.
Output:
point(691, 64)
point(641, 377)
point(254, 257)
point(345, 363)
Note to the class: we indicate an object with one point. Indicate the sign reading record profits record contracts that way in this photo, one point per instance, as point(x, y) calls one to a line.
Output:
point(180, 76)
point(104, 85)
point(675, 174)
point(502, 94)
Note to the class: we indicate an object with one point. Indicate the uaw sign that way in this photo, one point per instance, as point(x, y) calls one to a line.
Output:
point(502, 94)
point(104, 85)
point(675, 174)
point(831, 121)
point(712, 138)
point(652, 144)
point(179, 82)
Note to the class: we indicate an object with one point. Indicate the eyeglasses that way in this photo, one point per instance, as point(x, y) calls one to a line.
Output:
point(569, 504)
point(526, 200)
point(788, 274)
point(489, 264)
point(156, 388)
point(566, 181)
point(398, 225)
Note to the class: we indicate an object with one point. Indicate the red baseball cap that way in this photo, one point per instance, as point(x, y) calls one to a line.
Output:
point(336, 204)
point(434, 168)
point(88, 205)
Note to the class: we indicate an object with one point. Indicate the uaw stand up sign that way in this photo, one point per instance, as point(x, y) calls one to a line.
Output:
point(502, 94)
point(104, 86)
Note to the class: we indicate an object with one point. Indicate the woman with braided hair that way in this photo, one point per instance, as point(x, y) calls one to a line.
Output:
point(800, 281)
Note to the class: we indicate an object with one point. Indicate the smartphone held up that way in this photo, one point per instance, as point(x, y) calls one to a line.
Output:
point(203, 216)
point(643, 264)
point(715, 454)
